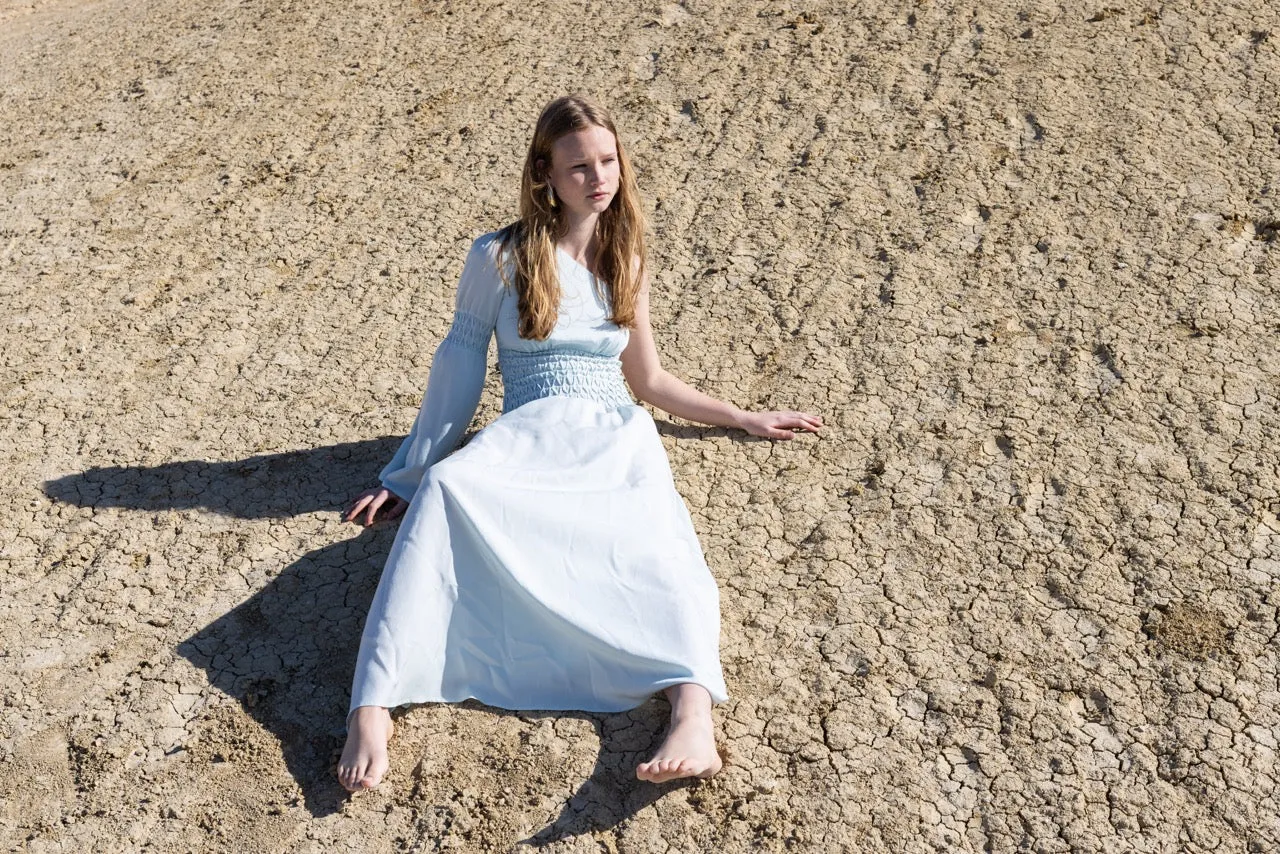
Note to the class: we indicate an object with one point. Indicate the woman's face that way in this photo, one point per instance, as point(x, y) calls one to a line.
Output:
point(584, 170)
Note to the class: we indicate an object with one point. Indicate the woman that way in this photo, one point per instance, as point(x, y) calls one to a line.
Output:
point(550, 564)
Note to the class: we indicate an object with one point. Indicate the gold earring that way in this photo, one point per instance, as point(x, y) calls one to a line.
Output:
point(551, 197)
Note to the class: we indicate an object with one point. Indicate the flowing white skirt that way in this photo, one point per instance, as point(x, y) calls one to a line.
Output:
point(549, 564)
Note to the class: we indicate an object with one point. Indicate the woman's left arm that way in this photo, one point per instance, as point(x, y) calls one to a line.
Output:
point(653, 385)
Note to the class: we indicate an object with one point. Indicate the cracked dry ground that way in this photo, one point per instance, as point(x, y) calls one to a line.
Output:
point(1023, 257)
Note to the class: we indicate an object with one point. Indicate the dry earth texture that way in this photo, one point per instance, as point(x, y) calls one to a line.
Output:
point(1020, 596)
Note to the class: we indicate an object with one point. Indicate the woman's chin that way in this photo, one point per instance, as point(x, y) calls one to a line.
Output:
point(595, 206)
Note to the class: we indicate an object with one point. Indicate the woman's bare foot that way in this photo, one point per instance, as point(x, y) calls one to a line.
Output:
point(689, 750)
point(364, 759)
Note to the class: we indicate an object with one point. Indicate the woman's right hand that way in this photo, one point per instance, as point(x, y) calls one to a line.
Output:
point(374, 499)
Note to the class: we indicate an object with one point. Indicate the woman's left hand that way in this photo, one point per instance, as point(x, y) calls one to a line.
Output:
point(779, 425)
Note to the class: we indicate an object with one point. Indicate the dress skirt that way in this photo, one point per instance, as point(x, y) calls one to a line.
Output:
point(548, 564)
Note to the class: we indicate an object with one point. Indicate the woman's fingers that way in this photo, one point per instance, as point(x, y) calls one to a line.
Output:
point(354, 510)
point(774, 427)
point(799, 421)
point(812, 422)
point(377, 502)
point(371, 501)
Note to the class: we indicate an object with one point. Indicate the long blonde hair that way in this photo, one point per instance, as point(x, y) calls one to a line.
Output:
point(619, 231)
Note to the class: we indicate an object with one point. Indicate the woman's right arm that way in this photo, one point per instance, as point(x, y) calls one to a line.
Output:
point(453, 390)
point(654, 385)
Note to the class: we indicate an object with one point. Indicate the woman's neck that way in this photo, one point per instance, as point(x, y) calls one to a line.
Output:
point(579, 239)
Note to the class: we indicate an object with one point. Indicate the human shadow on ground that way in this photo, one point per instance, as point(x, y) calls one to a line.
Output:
point(287, 653)
point(268, 486)
point(694, 431)
point(609, 796)
point(613, 793)
point(685, 432)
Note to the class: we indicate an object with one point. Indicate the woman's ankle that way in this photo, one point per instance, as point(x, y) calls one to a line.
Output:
point(689, 701)
point(365, 710)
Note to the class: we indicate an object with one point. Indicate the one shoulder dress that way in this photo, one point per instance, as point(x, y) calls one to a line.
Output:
point(550, 563)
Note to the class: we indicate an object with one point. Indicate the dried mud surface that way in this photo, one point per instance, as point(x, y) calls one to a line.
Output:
point(1021, 596)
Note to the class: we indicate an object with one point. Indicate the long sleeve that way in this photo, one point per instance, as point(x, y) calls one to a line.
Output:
point(457, 373)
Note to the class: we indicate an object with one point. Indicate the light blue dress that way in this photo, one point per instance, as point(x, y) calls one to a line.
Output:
point(550, 563)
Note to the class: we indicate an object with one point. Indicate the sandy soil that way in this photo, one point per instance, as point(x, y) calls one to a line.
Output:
point(1023, 256)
